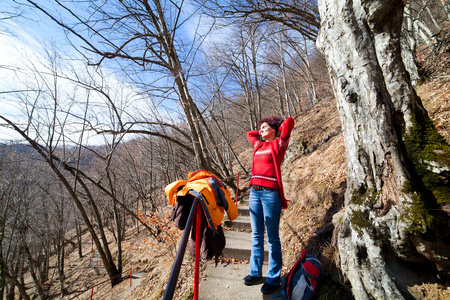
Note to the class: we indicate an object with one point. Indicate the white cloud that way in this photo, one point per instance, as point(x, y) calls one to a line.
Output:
point(199, 25)
point(26, 65)
point(27, 77)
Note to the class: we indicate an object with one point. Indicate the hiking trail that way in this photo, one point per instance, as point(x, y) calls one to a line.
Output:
point(224, 282)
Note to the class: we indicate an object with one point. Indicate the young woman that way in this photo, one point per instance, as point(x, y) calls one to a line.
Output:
point(267, 198)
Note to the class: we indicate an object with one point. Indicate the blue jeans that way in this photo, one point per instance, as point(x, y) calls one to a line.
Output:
point(265, 209)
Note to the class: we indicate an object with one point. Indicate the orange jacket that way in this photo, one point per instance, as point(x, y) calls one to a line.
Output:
point(213, 195)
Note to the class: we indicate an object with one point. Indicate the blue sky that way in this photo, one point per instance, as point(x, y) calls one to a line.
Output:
point(27, 48)
point(27, 40)
point(27, 44)
point(21, 48)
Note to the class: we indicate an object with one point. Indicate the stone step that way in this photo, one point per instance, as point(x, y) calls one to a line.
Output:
point(240, 223)
point(243, 210)
point(243, 202)
point(239, 245)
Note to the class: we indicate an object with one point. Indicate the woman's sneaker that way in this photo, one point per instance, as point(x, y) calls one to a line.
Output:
point(251, 280)
point(268, 288)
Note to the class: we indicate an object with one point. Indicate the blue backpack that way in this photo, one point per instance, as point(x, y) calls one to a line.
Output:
point(301, 281)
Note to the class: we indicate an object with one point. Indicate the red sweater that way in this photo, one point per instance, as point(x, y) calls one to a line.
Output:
point(267, 158)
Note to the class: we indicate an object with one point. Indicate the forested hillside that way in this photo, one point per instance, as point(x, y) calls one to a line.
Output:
point(315, 180)
point(112, 102)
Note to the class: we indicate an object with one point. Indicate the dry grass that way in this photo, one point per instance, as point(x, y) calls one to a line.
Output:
point(435, 96)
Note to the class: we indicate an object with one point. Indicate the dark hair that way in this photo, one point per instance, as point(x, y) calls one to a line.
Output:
point(273, 122)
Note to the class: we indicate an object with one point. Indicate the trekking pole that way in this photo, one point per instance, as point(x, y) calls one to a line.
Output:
point(168, 295)
point(197, 251)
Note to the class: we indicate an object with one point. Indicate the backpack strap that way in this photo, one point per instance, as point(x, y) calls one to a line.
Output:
point(302, 271)
point(202, 199)
point(218, 193)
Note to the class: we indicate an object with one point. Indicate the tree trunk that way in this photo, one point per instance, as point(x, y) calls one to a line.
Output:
point(45, 262)
point(283, 74)
point(10, 292)
point(60, 261)
point(17, 270)
point(254, 51)
point(219, 159)
point(361, 43)
point(446, 5)
point(175, 67)
point(431, 16)
point(34, 277)
point(20, 287)
point(150, 186)
point(280, 98)
point(21, 275)
point(297, 98)
point(117, 226)
point(79, 238)
point(425, 33)
point(409, 45)
point(118, 233)
point(309, 75)
point(229, 145)
point(2, 270)
point(104, 251)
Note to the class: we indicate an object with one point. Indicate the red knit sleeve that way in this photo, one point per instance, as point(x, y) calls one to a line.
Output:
point(286, 129)
point(252, 137)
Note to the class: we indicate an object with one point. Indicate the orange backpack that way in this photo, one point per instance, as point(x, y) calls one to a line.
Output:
point(214, 196)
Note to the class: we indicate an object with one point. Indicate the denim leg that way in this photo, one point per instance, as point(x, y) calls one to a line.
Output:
point(272, 212)
point(257, 223)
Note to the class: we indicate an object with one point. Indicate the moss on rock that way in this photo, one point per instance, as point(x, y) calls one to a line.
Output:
point(359, 220)
point(362, 196)
point(428, 151)
point(416, 214)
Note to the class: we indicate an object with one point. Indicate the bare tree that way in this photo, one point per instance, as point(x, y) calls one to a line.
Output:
point(299, 15)
point(46, 122)
point(446, 5)
point(22, 219)
point(49, 114)
point(422, 24)
point(7, 187)
point(223, 104)
point(241, 59)
point(302, 48)
point(409, 45)
point(149, 39)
